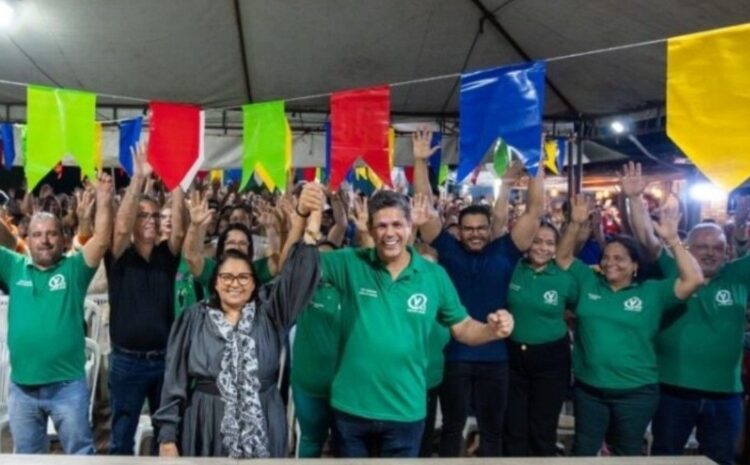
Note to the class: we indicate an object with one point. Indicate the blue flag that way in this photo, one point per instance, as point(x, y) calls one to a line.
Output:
point(501, 103)
point(130, 133)
point(232, 175)
point(9, 147)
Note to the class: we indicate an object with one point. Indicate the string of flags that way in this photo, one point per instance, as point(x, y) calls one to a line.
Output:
point(500, 119)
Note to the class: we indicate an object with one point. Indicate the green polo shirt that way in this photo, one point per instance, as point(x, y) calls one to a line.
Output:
point(46, 335)
point(700, 347)
point(316, 343)
point(185, 294)
point(537, 299)
point(615, 330)
point(386, 326)
point(439, 338)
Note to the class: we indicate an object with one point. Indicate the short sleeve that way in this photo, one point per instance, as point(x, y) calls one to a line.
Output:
point(444, 243)
point(451, 311)
point(581, 272)
point(739, 270)
point(663, 292)
point(667, 264)
point(262, 271)
point(209, 266)
point(333, 267)
point(82, 272)
point(507, 248)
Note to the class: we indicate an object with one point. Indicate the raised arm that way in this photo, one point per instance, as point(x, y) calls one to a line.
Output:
point(525, 229)
point(360, 216)
point(633, 185)
point(200, 218)
point(579, 213)
point(126, 214)
point(500, 209)
point(690, 275)
point(340, 221)
point(97, 246)
point(177, 235)
point(739, 237)
point(422, 152)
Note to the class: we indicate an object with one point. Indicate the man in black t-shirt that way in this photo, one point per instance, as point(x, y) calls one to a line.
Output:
point(141, 275)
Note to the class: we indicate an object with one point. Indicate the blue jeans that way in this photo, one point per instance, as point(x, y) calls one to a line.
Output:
point(358, 436)
point(66, 402)
point(718, 420)
point(132, 381)
point(315, 418)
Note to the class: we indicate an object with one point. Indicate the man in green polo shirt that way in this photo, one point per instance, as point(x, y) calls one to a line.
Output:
point(46, 332)
point(390, 300)
point(699, 347)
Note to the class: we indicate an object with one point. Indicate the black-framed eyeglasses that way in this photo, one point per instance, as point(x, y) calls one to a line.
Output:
point(243, 279)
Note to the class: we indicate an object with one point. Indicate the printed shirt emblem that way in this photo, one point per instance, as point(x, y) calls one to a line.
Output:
point(368, 292)
point(633, 304)
point(550, 297)
point(57, 283)
point(417, 303)
point(723, 298)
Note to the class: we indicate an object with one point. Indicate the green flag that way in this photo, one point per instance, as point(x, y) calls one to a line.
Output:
point(442, 174)
point(265, 141)
point(501, 158)
point(60, 123)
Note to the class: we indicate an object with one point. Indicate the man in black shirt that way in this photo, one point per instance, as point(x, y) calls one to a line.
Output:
point(141, 275)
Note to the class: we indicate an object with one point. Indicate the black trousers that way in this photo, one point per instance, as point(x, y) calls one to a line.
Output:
point(425, 449)
point(481, 388)
point(539, 379)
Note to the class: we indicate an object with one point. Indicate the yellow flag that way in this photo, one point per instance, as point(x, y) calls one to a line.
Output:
point(98, 149)
point(551, 150)
point(708, 101)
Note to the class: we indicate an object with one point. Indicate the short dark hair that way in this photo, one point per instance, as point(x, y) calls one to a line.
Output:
point(632, 247)
point(148, 198)
point(388, 199)
point(244, 207)
point(231, 254)
point(223, 239)
point(475, 210)
point(548, 225)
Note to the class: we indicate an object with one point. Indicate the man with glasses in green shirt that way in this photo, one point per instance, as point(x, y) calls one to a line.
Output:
point(390, 300)
point(46, 335)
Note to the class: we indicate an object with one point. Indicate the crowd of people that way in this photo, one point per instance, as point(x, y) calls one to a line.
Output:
point(396, 303)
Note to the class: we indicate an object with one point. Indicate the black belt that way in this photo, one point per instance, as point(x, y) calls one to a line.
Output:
point(142, 354)
point(207, 386)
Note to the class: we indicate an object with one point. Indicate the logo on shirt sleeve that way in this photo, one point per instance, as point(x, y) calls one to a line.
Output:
point(57, 283)
point(633, 304)
point(723, 298)
point(550, 297)
point(417, 303)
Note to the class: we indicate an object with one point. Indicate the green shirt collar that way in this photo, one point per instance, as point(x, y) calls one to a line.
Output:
point(30, 264)
point(416, 263)
point(551, 269)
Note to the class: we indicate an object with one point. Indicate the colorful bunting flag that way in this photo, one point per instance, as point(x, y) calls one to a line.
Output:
point(217, 176)
point(98, 148)
point(9, 147)
point(327, 166)
point(60, 123)
point(554, 153)
point(266, 140)
point(359, 130)
point(175, 143)
point(503, 103)
point(232, 175)
point(708, 101)
point(130, 134)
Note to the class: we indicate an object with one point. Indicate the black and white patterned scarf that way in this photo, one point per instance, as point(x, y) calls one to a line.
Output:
point(242, 427)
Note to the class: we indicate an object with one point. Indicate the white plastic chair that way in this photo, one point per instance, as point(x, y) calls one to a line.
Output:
point(145, 430)
point(4, 386)
point(93, 317)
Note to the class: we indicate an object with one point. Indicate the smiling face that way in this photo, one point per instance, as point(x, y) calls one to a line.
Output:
point(46, 241)
point(617, 264)
point(709, 247)
point(391, 231)
point(146, 227)
point(234, 283)
point(474, 231)
point(543, 247)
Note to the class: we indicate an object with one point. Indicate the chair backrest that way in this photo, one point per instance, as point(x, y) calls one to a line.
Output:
point(4, 375)
point(93, 361)
point(93, 317)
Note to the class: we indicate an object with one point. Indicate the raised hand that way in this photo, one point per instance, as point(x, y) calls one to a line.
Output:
point(422, 210)
point(579, 209)
point(420, 142)
point(312, 198)
point(359, 214)
point(514, 172)
point(104, 188)
point(669, 221)
point(501, 322)
point(141, 166)
point(200, 214)
point(631, 180)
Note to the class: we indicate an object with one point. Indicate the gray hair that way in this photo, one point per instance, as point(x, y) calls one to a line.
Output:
point(701, 227)
point(388, 199)
point(46, 216)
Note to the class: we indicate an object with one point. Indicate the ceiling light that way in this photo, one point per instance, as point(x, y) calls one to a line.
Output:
point(7, 14)
point(618, 127)
point(707, 192)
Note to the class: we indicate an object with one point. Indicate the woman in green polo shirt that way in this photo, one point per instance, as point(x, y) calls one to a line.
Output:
point(617, 319)
point(538, 348)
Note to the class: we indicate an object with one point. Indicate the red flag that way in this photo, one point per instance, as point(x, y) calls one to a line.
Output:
point(409, 173)
point(359, 129)
point(175, 144)
point(308, 174)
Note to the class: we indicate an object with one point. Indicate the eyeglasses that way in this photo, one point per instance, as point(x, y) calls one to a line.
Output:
point(146, 215)
point(238, 244)
point(243, 279)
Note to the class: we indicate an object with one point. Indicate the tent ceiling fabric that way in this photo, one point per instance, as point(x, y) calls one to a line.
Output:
point(190, 51)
